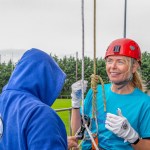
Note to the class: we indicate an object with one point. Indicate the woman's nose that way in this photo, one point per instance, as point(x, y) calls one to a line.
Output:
point(114, 65)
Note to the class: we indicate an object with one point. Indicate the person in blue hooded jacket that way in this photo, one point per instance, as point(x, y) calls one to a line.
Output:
point(26, 120)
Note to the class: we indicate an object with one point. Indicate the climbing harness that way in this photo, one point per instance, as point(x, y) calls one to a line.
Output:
point(80, 132)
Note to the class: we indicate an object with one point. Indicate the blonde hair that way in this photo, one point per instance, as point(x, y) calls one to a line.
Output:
point(137, 80)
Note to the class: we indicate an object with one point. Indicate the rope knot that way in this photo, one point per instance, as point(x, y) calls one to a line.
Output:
point(94, 82)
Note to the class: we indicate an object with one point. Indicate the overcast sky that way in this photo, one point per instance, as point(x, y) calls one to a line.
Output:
point(55, 25)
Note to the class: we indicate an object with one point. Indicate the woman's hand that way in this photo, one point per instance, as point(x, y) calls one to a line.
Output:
point(72, 142)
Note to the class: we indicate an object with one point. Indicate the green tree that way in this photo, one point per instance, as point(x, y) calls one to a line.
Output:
point(145, 68)
point(5, 72)
point(68, 65)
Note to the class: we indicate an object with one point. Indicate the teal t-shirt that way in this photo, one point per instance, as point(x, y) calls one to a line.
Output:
point(134, 106)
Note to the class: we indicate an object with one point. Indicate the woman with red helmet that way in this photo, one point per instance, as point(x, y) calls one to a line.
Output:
point(126, 123)
point(124, 50)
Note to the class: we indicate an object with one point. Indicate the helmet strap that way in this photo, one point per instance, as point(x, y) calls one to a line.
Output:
point(124, 83)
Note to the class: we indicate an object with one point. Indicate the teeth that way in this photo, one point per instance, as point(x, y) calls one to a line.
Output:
point(114, 73)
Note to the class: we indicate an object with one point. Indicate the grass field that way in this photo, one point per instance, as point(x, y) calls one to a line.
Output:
point(64, 115)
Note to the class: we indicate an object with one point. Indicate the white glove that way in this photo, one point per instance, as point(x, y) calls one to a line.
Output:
point(121, 127)
point(77, 93)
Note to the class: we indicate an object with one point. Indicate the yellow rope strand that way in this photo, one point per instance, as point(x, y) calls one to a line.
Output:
point(103, 93)
point(94, 81)
point(94, 37)
point(95, 78)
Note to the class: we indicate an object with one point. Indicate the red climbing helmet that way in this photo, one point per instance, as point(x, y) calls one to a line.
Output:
point(124, 47)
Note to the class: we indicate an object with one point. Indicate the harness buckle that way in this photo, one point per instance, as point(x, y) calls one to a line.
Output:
point(80, 133)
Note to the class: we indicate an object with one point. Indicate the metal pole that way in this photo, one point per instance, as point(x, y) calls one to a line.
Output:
point(76, 66)
point(94, 36)
point(12, 63)
point(125, 18)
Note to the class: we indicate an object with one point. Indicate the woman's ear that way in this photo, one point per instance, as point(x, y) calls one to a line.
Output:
point(135, 67)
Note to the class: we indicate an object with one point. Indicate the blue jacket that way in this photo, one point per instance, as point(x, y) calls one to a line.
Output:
point(26, 120)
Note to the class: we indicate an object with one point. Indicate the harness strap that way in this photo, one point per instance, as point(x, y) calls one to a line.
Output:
point(80, 133)
point(96, 141)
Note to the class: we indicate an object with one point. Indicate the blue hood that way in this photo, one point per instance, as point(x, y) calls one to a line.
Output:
point(34, 66)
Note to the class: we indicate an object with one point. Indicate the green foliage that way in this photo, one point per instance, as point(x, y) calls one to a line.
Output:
point(5, 72)
point(145, 68)
point(101, 70)
point(68, 65)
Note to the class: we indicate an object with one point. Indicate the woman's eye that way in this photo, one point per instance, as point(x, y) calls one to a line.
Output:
point(109, 61)
point(120, 62)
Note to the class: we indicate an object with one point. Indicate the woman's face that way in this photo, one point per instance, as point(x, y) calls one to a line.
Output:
point(118, 68)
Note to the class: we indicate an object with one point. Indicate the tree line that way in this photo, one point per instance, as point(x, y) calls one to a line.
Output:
point(73, 69)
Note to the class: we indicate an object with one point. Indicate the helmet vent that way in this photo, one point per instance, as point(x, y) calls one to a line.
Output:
point(117, 48)
point(132, 48)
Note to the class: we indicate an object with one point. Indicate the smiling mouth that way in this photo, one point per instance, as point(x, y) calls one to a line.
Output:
point(114, 73)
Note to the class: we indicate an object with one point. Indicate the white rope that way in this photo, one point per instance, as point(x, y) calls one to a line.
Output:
point(91, 137)
point(82, 8)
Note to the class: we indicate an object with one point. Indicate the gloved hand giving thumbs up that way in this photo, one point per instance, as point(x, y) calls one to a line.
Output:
point(119, 125)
